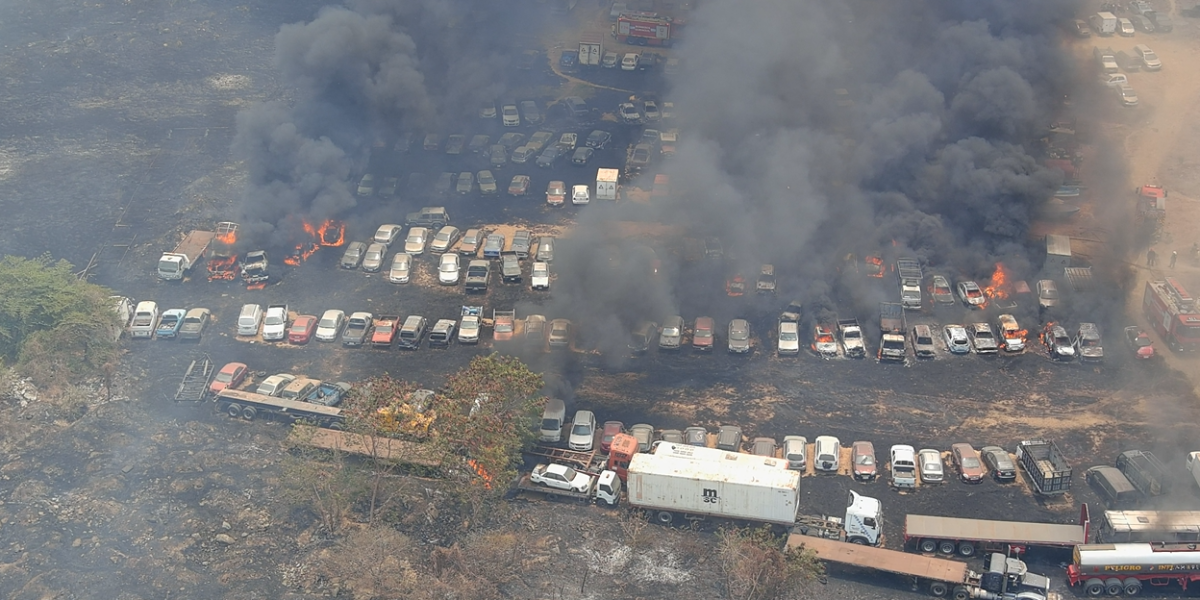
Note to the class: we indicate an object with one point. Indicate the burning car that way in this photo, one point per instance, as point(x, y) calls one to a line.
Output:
point(1011, 333)
point(971, 294)
point(736, 285)
point(824, 344)
point(939, 290)
point(1057, 342)
point(1139, 341)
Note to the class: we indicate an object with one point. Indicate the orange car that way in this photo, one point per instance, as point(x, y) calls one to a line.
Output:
point(970, 465)
point(229, 377)
point(736, 286)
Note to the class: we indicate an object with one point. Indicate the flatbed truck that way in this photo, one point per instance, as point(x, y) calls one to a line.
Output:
point(1002, 577)
point(176, 264)
point(967, 537)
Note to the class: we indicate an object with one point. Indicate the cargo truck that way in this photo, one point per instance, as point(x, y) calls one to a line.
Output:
point(643, 29)
point(891, 325)
point(852, 339)
point(1171, 526)
point(606, 184)
point(1047, 468)
point(591, 51)
point(1115, 568)
point(1105, 23)
point(1144, 471)
point(174, 265)
point(967, 537)
point(908, 270)
point(1172, 312)
point(1003, 578)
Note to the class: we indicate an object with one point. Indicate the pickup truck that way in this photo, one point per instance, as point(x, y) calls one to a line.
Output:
point(540, 276)
point(478, 273)
point(891, 325)
point(441, 334)
point(169, 323)
point(328, 394)
point(356, 329)
point(852, 340)
point(384, 333)
point(275, 323)
point(470, 324)
point(510, 267)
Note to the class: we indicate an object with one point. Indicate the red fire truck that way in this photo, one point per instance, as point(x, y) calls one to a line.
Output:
point(1172, 312)
point(644, 29)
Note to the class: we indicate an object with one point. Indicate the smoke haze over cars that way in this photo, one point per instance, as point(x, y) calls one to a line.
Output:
point(929, 152)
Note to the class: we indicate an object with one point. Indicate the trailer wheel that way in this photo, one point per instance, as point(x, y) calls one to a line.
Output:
point(234, 411)
point(938, 588)
point(249, 413)
point(966, 549)
point(946, 547)
point(664, 517)
point(929, 546)
point(1133, 586)
point(1113, 586)
point(961, 593)
point(1094, 587)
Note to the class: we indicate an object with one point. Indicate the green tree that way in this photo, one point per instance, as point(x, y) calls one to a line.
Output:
point(55, 324)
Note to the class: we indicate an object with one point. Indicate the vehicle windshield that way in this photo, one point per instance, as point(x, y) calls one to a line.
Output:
point(973, 292)
point(224, 377)
point(738, 334)
point(1141, 341)
point(300, 326)
point(703, 333)
point(1050, 293)
point(581, 429)
point(787, 336)
point(550, 424)
point(866, 459)
point(670, 331)
point(970, 463)
point(383, 329)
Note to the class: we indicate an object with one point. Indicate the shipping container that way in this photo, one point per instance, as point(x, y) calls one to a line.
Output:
point(1047, 468)
point(669, 487)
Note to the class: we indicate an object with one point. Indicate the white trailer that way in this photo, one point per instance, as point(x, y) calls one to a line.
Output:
point(606, 184)
point(667, 486)
point(591, 51)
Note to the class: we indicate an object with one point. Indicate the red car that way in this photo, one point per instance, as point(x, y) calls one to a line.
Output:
point(702, 334)
point(611, 429)
point(862, 455)
point(302, 329)
point(1139, 341)
point(230, 376)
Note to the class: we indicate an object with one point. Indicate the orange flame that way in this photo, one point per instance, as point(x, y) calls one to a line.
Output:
point(228, 238)
point(998, 288)
point(483, 474)
point(303, 251)
point(874, 266)
point(331, 233)
point(257, 286)
point(222, 269)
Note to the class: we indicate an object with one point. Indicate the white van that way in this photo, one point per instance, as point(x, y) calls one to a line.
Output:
point(828, 454)
point(249, 319)
point(145, 320)
point(552, 421)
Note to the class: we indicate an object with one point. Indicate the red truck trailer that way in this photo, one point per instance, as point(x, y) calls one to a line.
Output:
point(966, 537)
point(1172, 312)
point(644, 29)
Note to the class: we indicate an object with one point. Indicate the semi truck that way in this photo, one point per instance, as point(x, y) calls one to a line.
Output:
point(606, 183)
point(222, 259)
point(1171, 526)
point(1115, 568)
point(1046, 466)
point(591, 51)
point(1172, 312)
point(908, 270)
point(1144, 471)
point(852, 339)
point(1002, 578)
point(174, 265)
point(967, 537)
point(891, 325)
point(643, 29)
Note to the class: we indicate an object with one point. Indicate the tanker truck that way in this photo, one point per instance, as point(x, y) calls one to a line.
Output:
point(1114, 569)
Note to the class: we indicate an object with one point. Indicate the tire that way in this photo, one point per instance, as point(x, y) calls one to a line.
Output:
point(946, 547)
point(928, 546)
point(1094, 587)
point(1113, 586)
point(664, 517)
point(858, 540)
point(249, 413)
point(1133, 586)
point(234, 411)
point(961, 593)
point(966, 549)
point(938, 588)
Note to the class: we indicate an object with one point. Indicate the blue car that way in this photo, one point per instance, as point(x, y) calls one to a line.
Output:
point(568, 61)
point(169, 323)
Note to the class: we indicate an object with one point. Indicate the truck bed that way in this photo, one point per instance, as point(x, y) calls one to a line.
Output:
point(1011, 532)
point(892, 561)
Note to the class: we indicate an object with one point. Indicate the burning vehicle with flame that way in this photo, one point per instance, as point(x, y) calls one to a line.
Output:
point(222, 260)
point(329, 234)
point(1011, 334)
point(824, 344)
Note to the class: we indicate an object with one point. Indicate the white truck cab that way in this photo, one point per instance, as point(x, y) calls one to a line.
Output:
point(608, 488)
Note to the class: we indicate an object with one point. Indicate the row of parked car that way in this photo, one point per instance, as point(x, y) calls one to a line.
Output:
point(285, 386)
point(905, 463)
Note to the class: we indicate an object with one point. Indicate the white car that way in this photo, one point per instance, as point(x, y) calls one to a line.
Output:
point(971, 295)
point(789, 338)
point(561, 477)
point(510, 116)
point(386, 234)
point(275, 323)
point(401, 269)
point(580, 194)
point(273, 385)
point(930, 462)
point(539, 278)
point(417, 238)
point(583, 431)
point(330, 325)
point(629, 62)
point(448, 269)
point(827, 454)
point(1114, 79)
point(445, 238)
point(651, 110)
point(956, 339)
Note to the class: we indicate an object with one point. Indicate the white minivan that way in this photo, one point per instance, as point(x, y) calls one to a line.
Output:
point(552, 421)
point(249, 319)
point(145, 320)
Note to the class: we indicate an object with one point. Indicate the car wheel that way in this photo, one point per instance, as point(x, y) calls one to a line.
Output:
point(249, 412)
